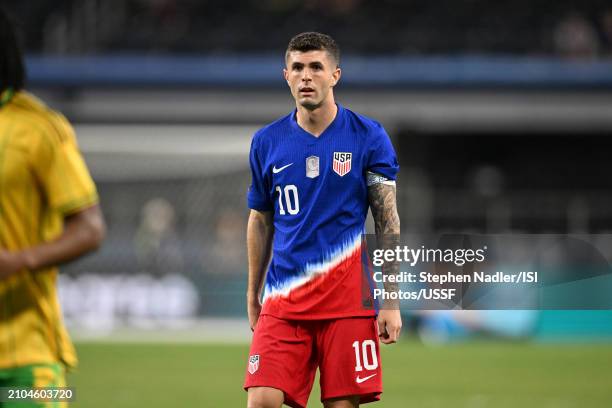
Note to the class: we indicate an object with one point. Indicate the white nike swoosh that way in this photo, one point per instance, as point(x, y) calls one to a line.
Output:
point(359, 380)
point(275, 170)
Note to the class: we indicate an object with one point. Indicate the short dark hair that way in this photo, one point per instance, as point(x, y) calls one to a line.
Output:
point(313, 41)
point(12, 69)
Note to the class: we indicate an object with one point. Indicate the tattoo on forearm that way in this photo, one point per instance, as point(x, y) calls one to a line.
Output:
point(384, 208)
point(387, 224)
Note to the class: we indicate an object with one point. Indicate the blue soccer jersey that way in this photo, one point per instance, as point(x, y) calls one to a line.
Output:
point(316, 188)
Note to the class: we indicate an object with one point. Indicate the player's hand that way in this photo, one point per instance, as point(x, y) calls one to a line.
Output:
point(253, 310)
point(10, 263)
point(389, 325)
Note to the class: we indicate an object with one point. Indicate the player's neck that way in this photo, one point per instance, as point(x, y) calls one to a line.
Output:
point(317, 120)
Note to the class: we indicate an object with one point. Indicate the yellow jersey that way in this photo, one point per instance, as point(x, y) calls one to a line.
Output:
point(43, 178)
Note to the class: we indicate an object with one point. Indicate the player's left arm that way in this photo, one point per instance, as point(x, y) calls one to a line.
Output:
point(83, 232)
point(60, 171)
point(382, 198)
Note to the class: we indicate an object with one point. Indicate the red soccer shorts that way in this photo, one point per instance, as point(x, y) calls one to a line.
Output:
point(285, 355)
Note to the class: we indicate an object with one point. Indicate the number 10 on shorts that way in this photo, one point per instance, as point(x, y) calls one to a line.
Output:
point(367, 354)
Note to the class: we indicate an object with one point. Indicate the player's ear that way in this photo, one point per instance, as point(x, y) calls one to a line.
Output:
point(286, 74)
point(336, 76)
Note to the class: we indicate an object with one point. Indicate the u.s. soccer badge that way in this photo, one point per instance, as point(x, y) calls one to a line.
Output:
point(312, 166)
point(253, 363)
point(342, 163)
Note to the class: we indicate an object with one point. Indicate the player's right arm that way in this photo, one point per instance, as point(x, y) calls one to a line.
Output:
point(260, 232)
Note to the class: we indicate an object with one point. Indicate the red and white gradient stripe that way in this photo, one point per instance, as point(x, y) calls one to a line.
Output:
point(342, 168)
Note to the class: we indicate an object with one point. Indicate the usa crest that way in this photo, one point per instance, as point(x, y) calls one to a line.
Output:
point(253, 363)
point(342, 163)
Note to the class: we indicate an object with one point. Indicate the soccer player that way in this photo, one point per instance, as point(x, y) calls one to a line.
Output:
point(49, 215)
point(314, 174)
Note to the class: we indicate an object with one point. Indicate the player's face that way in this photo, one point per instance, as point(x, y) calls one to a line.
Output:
point(311, 76)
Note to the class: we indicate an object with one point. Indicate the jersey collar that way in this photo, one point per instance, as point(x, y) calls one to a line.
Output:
point(338, 120)
point(6, 96)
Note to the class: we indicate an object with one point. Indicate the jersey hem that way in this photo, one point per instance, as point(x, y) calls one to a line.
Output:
point(259, 205)
point(75, 206)
point(28, 362)
point(322, 316)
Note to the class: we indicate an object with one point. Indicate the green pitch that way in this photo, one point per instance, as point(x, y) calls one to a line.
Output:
point(471, 375)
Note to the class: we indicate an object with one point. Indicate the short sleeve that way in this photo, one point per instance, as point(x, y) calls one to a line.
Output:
point(61, 170)
point(258, 196)
point(382, 158)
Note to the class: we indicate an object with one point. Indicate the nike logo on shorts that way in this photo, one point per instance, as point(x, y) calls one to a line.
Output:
point(359, 380)
point(275, 170)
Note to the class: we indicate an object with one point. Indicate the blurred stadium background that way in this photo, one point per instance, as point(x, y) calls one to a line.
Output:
point(501, 114)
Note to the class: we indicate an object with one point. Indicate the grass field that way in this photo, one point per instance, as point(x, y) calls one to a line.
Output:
point(474, 375)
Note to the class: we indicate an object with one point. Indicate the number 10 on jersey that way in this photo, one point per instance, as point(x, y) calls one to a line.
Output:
point(289, 194)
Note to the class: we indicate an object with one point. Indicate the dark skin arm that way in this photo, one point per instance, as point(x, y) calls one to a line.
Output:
point(387, 224)
point(83, 232)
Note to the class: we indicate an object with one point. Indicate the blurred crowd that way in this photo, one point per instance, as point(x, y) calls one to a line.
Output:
point(416, 27)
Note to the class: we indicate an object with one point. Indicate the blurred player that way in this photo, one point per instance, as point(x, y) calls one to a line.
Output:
point(314, 173)
point(49, 215)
